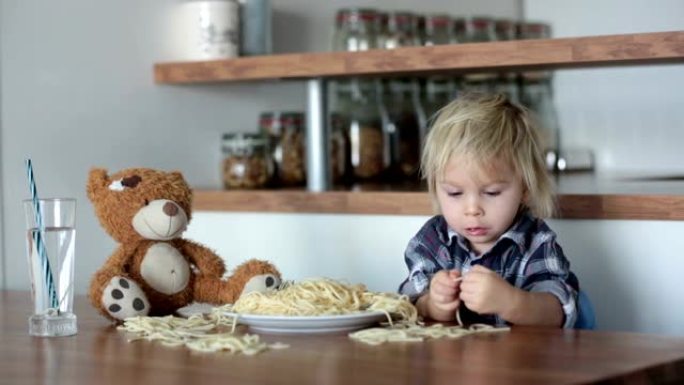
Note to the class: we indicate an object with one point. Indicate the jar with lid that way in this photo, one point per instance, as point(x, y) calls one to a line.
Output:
point(420, 29)
point(356, 29)
point(359, 112)
point(247, 162)
point(405, 120)
point(439, 29)
point(402, 30)
point(506, 29)
point(480, 29)
point(286, 134)
point(534, 30)
point(381, 20)
point(460, 30)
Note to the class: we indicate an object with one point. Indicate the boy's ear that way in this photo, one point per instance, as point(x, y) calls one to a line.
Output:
point(97, 180)
point(526, 197)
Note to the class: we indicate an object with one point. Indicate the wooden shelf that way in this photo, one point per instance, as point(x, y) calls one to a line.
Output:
point(581, 196)
point(613, 50)
point(571, 206)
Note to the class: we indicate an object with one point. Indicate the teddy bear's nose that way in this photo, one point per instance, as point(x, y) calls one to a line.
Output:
point(170, 209)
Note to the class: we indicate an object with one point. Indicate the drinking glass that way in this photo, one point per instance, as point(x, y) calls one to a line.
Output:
point(50, 247)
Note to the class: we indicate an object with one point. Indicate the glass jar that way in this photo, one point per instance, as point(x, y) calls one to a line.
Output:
point(439, 29)
point(381, 26)
point(359, 112)
point(506, 30)
point(402, 30)
point(534, 30)
point(356, 29)
point(460, 30)
point(287, 140)
point(247, 161)
point(420, 29)
point(403, 128)
point(481, 29)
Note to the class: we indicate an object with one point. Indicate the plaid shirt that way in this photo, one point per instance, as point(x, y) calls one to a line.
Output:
point(526, 256)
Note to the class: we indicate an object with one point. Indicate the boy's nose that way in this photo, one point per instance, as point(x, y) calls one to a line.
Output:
point(473, 207)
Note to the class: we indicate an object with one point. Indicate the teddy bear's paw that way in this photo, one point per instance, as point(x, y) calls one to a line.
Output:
point(123, 298)
point(261, 283)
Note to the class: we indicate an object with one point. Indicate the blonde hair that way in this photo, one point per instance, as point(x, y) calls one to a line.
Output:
point(487, 128)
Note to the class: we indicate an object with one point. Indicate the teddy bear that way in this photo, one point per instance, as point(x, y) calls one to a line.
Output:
point(154, 271)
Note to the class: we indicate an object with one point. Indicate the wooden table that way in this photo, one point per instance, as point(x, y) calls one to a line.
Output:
point(100, 354)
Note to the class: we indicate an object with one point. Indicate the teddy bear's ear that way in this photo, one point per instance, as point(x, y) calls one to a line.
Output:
point(177, 174)
point(177, 177)
point(97, 180)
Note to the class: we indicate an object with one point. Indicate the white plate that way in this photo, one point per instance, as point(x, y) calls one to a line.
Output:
point(295, 324)
point(309, 324)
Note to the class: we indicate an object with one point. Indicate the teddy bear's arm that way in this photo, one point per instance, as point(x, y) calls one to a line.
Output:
point(118, 262)
point(208, 263)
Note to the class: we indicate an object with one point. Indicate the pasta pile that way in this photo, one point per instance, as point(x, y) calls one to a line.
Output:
point(198, 333)
point(328, 297)
point(417, 332)
point(313, 297)
point(324, 296)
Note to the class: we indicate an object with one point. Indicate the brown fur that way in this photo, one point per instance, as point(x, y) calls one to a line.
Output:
point(115, 210)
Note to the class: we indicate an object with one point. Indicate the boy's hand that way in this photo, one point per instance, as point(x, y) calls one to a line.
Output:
point(485, 292)
point(443, 298)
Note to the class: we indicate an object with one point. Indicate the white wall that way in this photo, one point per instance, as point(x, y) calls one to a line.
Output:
point(631, 271)
point(77, 92)
point(630, 117)
point(359, 248)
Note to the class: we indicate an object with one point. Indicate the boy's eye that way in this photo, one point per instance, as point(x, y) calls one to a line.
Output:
point(492, 193)
point(454, 193)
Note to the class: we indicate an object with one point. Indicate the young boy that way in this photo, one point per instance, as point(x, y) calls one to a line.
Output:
point(487, 255)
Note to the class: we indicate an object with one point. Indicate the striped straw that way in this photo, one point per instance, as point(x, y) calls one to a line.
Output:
point(38, 239)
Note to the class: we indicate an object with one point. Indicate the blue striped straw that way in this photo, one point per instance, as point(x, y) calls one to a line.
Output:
point(38, 239)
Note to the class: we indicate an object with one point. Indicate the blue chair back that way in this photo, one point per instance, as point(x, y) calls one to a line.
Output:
point(586, 318)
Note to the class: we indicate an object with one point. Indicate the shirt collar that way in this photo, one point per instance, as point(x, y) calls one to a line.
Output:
point(519, 231)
